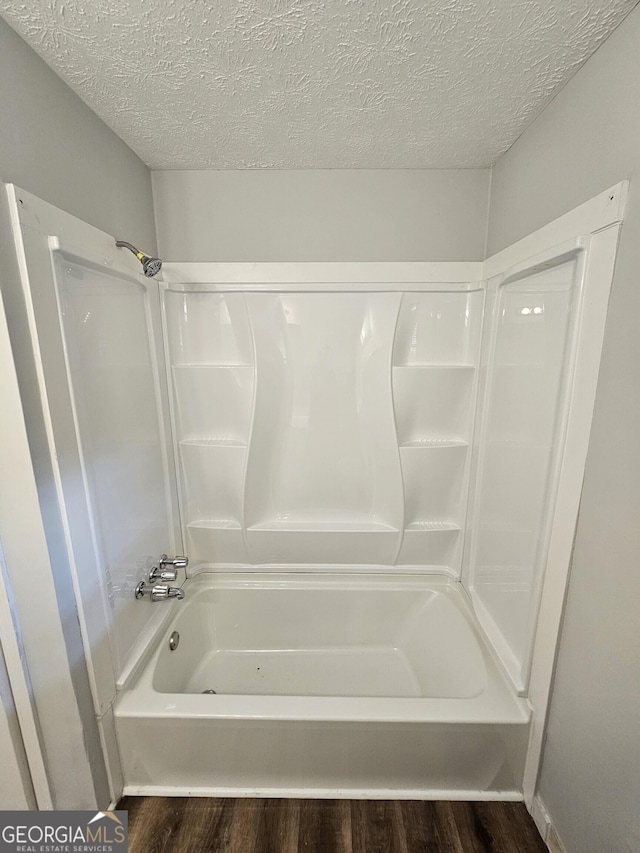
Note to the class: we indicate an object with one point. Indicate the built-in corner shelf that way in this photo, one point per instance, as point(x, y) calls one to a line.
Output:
point(212, 365)
point(213, 379)
point(208, 328)
point(217, 540)
point(433, 443)
point(433, 526)
point(433, 365)
point(211, 442)
point(215, 524)
point(431, 543)
point(213, 401)
point(434, 378)
point(433, 402)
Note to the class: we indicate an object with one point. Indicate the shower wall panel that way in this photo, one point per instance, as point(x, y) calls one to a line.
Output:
point(213, 379)
point(323, 473)
point(110, 353)
point(323, 427)
point(530, 362)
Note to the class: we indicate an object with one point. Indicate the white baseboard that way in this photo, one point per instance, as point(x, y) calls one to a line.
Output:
point(554, 842)
point(544, 824)
point(323, 793)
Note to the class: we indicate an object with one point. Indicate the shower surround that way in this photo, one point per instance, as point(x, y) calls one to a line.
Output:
point(375, 471)
point(336, 443)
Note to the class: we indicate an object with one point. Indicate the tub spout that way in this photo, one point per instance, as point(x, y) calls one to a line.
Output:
point(159, 592)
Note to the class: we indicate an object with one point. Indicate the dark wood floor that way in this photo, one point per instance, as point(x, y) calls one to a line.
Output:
point(191, 825)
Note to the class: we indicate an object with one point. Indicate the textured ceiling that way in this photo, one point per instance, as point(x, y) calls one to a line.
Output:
point(316, 83)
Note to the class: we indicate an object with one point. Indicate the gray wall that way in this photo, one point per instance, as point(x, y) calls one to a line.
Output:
point(53, 145)
point(587, 139)
point(342, 215)
point(15, 783)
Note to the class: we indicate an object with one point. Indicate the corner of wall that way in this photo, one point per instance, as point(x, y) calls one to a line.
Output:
point(154, 206)
point(545, 826)
point(485, 253)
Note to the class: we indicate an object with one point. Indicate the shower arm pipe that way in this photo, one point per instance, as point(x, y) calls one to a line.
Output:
point(150, 266)
point(122, 244)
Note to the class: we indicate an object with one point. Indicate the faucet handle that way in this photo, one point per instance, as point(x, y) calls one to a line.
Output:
point(156, 573)
point(176, 562)
point(161, 592)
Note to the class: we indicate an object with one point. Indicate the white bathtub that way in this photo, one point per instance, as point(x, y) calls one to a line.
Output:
point(325, 686)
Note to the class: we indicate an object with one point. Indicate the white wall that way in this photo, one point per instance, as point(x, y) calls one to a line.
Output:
point(342, 215)
point(52, 144)
point(587, 139)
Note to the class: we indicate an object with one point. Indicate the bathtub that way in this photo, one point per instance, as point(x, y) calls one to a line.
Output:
point(358, 686)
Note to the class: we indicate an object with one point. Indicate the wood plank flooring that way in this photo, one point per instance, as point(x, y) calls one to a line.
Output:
point(201, 825)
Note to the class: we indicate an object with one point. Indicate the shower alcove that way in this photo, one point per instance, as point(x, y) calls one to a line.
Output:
point(375, 471)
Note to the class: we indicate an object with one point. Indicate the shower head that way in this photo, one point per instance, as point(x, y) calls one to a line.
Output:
point(150, 266)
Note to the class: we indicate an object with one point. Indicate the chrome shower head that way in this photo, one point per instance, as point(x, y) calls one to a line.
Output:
point(150, 266)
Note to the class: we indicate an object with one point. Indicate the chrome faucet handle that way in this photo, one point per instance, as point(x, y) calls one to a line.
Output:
point(159, 592)
point(156, 573)
point(176, 562)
